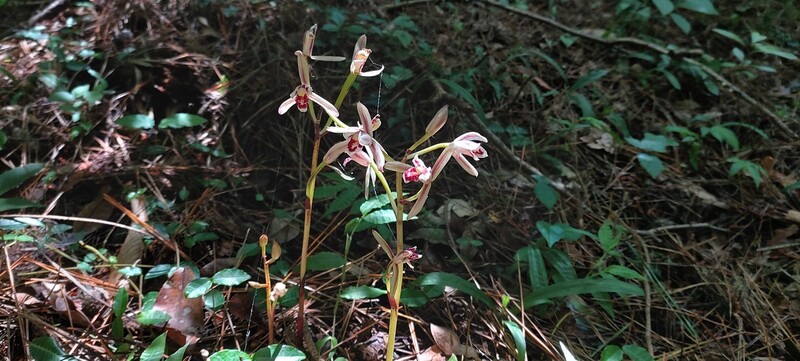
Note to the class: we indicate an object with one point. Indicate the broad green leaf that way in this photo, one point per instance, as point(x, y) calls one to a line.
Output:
point(583, 103)
point(672, 79)
point(136, 121)
point(7, 204)
point(361, 293)
point(158, 271)
point(230, 355)
point(155, 351)
point(449, 279)
point(754, 128)
point(197, 287)
point(652, 142)
point(637, 353)
point(413, 297)
point(558, 231)
point(181, 120)
point(611, 353)
point(178, 355)
point(681, 22)
point(624, 272)
point(581, 286)
point(560, 262)
point(230, 277)
point(152, 317)
point(545, 193)
point(381, 216)
point(651, 164)
point(752, 170)
point(214, 300)
point(609, 235)
point(519, 339)
point(587, 79)
point(664, 6)
point(774, 50)
point(324, 261)
point(756, 37)
point(729, 35)
point(724, 135)
point(279, 352)
point(537, 272)
point(46, 348)
point(343, 200)
point(130, 271)
point(699, 6)
point(120, 302)
point(13, 178)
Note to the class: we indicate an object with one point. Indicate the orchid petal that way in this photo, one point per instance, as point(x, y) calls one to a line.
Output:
point(343, 130)
point(471, 136)
point(360, 44)
point(398, 167)
point(366, 120)
point(303, 69)
point(444, 157)
point(377, 154)
point(286, 105)
point(308, 40)
point(334, 152)
point(327, 58)
point(437, 122)
point(371, 73)
point(361, 157)
point(421, 199)
point(329, 108)
point(465, 164)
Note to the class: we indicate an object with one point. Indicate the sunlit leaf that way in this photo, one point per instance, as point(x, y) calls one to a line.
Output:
point(581, 286)
point(13, 178)
point(136, 121)
point(699, 6)
point(279, 352)
point(651, 164)
point(611, 353)
point(155, 351)
point(181, 120)
point(230, 277)
point(361, 293)
point(652, 142)
point(230, 355)
point(198, 287)
point(637, 353)
point(519, 339)
point(729, 35)
point(448, 279)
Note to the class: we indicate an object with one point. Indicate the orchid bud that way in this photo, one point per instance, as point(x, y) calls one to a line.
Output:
point(437, 122)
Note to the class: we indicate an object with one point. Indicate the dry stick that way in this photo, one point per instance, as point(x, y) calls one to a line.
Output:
point(22, 326)
point(683, 53)
point(496, 142)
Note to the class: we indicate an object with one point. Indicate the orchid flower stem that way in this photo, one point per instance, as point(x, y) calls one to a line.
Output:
point(427, 150)
point(268, 283)
point(307, 226)
point(348, 83)
point(386, 188)
point(397, 278)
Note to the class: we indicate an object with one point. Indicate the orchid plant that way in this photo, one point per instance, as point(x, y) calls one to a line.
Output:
point(362, 148)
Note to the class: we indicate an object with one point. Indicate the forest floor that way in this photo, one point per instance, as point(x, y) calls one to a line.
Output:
point(640, 196)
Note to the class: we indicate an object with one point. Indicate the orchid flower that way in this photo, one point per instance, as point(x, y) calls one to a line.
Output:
point(360, 145)
point(308, 46)
point(466, 144)
point(360, 56)
point(303, 93)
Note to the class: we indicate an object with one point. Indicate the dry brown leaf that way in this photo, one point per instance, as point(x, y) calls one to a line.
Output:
point(282, 230)
point(96, 209)
point(446, 339)
point(431, 354)
point(186, 314)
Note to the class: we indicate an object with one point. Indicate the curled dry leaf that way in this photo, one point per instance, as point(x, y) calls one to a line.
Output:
point(598, 139)
point(449, 344)
point(185, 314)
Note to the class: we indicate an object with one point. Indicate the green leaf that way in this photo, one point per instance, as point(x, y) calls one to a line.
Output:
point(324, 261)
point(16, 203)
point(651, 164)
point(155, 351)
point(699, 6)
point(587, 79)
point(181, 120)
point(558, 231)
point(672, 79)
point(158, 271)
point(545, 193)
point(774, 50)
point(725, 135)
point(609, 235)
point(230, 355)
point(120, 302)
point(374, 203)
point(752, 170)
point(581, 286)
point(681, 22)
point(46, 348)
point(214, 300)
point(664, 6)
point(152, 317)
point(279, 352)
point(611, 353)
point(467, 96)
point(130, 271)
point(560, 262)
point(381, 216)
point(361, 292)
point(449, 279)
point(652, 142)
point(136, 121)
point(13, 178)
point(729, 35)
point(756, 37)
point(637, 353)
point(230, 277)
point(178, 355)
point(624, 272)
point(197, 287)
point(519, 339)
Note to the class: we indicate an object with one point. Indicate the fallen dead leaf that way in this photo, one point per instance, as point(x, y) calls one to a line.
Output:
point(186, 314)
point(448, 342)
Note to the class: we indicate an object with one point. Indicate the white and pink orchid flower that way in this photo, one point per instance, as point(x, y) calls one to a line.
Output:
point(360, 56)
point(308, 47)
point(304, 93)
point(467, 144)
point(360, 145)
